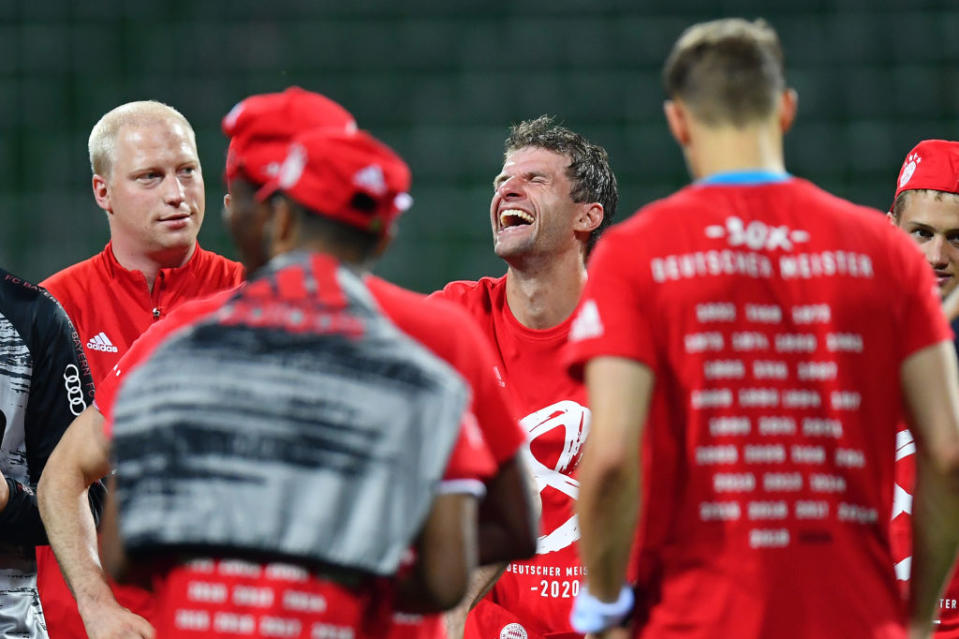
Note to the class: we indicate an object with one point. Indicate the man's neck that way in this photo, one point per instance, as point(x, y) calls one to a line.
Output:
point(543, 293)
point(150, 264)
point(725, 149)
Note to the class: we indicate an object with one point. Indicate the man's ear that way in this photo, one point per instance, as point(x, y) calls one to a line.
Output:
point(284, 226)
point(590, 217)
point(280, 228)
point(788, 107)
point(384, 241)
point(678, 121)
point(101, 192)
point(891, 218)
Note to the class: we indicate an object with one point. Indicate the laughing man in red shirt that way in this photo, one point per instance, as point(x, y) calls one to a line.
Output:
point(553, 197)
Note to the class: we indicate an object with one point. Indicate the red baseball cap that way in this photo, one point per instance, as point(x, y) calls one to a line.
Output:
point(261, 127)
point(932, 164)
point(350, 177)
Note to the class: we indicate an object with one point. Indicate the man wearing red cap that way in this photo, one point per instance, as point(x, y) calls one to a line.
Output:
point(148, 180)
point(551, 200)
point(505, 529)
point(750, 345)
point(926, 206)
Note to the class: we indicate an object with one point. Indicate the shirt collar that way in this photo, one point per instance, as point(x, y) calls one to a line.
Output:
point(746, 177)
point(118, 270)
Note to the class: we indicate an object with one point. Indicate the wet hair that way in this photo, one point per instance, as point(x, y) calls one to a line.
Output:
point(103, 137)
point(588, 171)
point(727, 72)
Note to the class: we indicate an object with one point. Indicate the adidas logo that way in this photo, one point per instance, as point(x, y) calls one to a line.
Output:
point(101, 342)
point(372, 179)
point(587, 324)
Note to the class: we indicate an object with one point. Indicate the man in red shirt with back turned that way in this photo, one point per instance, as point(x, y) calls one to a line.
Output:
point(148, 180)
point(747, 372)
point(552, 198)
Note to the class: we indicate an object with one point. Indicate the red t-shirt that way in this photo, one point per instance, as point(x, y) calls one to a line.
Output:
point(110, 307)
point(947, 625)
point(450, 333)
point(765, 314)
point(534, 596)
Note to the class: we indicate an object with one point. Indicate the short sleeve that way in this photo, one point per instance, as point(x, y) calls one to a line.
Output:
point(470, 463)
point(613, 316)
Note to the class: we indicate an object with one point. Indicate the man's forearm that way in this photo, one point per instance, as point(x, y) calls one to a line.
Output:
point(607, 508)
point(65, 509)
point(80, 459)
point(935, 523)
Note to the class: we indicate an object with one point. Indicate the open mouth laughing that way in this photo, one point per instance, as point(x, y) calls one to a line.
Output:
point(514, 217)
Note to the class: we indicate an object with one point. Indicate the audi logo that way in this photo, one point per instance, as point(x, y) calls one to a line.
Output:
point(71, 381)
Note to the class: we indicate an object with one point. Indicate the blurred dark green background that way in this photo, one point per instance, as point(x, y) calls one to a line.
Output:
point(441, 82)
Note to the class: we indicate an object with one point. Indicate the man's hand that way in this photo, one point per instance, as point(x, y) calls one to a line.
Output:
point(481, 582)
point(110, 620)
point(4, 491)
point(618, 632)
point(950, 305)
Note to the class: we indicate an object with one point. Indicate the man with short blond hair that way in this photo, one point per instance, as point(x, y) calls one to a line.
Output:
point(102, 142)
point(148, 180)
point(750, 345)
